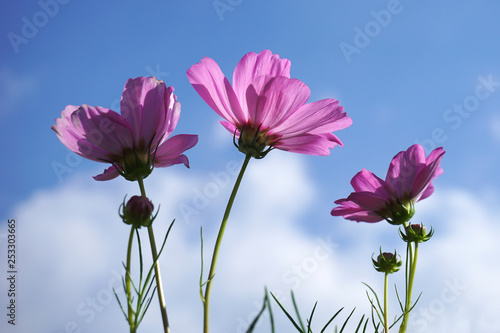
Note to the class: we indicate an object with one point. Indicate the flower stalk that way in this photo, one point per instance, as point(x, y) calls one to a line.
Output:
point(128, 280)
point(154, 252)
point(386, 301)
point(411, 267)
point(215, 255)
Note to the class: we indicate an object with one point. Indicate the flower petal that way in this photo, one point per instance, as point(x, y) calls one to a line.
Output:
point(306, 144)
point(283, 96)
point(208, 80)
point(108, 174)
point(425, 176)
point(95, 133)
point(403, 170)
point(169, 152)
point(367, 181)
point(252, 66)
point(351, 211)
point(369, 201)
point(319, 117)
point(144, 105)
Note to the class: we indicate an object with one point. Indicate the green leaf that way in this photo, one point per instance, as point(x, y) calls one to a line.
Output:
point(288, 315)
point(331, 319)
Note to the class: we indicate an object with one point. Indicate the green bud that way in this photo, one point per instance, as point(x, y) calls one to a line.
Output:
point(416, 233)
point(387, 262)
point(138, 211)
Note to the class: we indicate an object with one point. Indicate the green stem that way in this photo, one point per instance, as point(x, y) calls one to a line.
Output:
point(412, 257)
point(154, 252)
point(128, 288)
point(386, 314)
point(211, 274)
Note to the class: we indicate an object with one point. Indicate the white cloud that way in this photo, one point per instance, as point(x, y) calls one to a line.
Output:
point(71, 244)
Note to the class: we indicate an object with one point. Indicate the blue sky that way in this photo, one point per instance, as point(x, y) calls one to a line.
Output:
point(406, 72)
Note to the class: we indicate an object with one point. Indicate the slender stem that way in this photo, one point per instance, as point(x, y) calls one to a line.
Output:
point(154, 252)
point(128, 288)
point(386, 314)
point(412, 257)
point(211, 274)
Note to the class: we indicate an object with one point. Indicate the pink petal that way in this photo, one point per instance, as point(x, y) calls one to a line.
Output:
point(108, 174)
point(425, 176)
point(369, 201)
point(144, 105)
point(283, 96)
point(319, 117)
point(231, 128)
point(103, 128)
point(403, 170)
point(367, 181)
point(351, 211)
point(306, 144)
point(211, 84)
point(364, 216)
point(169, 152)
point(253, 65)
point(173, 115)
point(66, 131)
point(93, 132)
point(427, 192)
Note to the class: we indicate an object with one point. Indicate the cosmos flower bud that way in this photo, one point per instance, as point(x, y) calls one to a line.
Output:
point(138, 211)
point(387, 262)
point(416, 233)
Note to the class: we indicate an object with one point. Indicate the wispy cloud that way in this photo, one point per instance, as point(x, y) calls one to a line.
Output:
point(71, 244)
point(14, 88)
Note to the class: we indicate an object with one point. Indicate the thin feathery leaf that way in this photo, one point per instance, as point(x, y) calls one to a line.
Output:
point(288, 315)
point(366, 324)
point(345, 323)
point(309, 321)
point(376, 297)
point(331, 319)
point(268, 304)
point(297, 312)
point(141, 264)
point(120, 303)
point(399, 299)
point(256, 319)
point(360, 323)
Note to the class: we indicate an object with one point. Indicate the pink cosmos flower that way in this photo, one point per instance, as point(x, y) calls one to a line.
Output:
point(266, 108)
point(133, 142)
point(408, 180)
